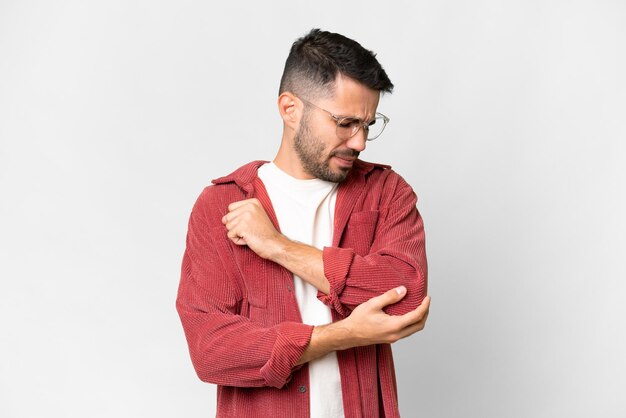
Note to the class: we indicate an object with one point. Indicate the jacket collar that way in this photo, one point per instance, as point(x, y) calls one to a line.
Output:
point(243, 176)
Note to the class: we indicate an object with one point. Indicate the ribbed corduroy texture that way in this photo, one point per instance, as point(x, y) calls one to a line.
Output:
point(240, 314)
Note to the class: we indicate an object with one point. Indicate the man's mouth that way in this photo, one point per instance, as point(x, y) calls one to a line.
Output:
point(348, 156)
point(345, 160)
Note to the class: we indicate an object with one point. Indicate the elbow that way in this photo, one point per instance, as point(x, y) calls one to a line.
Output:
point(223, 364)
point(206, 364)
point(418, 287)
point(205, 370)
point(218, 370)
point(416, 291)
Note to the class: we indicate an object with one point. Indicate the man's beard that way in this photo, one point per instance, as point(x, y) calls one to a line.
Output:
point(311, 153)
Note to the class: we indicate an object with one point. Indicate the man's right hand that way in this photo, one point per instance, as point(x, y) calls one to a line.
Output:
point(367, 324)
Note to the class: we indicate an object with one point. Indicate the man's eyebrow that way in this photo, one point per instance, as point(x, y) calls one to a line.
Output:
point(353, 118)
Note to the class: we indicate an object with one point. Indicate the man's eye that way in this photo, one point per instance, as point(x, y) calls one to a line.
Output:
point(349, 123)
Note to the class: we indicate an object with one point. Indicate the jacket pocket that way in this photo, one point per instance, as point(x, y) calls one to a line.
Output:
point(359, 233)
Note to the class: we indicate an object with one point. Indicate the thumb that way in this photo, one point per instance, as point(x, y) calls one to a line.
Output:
point(389, 297)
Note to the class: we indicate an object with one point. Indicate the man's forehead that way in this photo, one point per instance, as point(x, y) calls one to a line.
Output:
point(351, 98)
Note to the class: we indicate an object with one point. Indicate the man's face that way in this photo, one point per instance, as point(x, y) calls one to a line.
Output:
point(322, 154)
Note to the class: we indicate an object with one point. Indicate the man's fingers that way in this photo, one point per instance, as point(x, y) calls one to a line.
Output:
point(418, 314)
point(413, 328)
point(241, 203)
point(237, 208)
point(232, 214)
point(239, 240)
point(416, 319)
point(389, 297)
point(232, 217)
point(231, 223)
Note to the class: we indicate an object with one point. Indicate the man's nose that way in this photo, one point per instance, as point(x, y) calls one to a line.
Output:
point(357, 142)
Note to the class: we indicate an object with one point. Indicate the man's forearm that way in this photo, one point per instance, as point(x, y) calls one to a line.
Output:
point(326, 338)
point(368, 324)
point(247, 223)
point(302, 260)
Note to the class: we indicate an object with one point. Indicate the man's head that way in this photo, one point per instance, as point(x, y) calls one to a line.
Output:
point(328, 77)
point(318, 58)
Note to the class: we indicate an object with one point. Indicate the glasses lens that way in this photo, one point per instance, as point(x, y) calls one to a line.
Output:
point(347, 127)
point(376, 127)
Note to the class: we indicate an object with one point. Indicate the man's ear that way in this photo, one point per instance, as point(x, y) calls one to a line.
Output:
point(290, 108)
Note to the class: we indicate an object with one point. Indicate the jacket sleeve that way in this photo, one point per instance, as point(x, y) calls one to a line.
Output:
point(397, 257)
point(227, 348)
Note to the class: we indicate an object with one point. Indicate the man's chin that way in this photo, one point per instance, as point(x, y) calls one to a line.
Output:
point(334, 176)
point(331, 171)
point(340, 174)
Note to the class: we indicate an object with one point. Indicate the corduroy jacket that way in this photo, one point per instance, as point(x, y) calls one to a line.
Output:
point(240, 314)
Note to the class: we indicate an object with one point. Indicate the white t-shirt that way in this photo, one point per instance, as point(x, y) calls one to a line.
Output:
point(305, 211)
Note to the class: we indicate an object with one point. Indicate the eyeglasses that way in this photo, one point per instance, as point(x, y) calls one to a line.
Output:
point(348, 126)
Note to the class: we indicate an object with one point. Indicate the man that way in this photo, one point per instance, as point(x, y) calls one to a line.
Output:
point(299, 273)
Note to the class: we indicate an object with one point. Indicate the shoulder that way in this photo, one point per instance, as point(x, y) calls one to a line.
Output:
point(213, 201)
point(242, 176)
point(367, 167)
point(385, 185)
point(377, 173)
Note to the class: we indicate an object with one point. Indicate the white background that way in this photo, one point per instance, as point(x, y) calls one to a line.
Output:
point(509, 119)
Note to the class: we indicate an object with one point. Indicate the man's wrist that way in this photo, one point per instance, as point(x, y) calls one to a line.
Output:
point(277, 248)
point(302, 260)
point(335, 336)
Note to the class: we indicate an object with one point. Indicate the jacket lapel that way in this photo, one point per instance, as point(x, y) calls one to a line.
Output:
point(260, 192)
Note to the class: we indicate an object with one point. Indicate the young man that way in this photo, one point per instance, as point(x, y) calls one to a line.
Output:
point(299, 273)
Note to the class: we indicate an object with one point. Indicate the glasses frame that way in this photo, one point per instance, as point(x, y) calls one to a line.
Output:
point(340, 119)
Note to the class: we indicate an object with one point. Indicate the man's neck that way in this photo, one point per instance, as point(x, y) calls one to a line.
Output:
point(290, 163)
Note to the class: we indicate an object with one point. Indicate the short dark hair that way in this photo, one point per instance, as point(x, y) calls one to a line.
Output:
point(316, 59)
